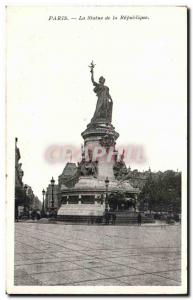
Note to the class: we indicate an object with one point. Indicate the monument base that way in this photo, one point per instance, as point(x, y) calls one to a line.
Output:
point(81, 212)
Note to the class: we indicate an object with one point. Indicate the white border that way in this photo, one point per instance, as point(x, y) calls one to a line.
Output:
point(71, 290)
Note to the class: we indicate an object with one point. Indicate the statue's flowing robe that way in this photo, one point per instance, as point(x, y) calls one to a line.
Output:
point(103, 111)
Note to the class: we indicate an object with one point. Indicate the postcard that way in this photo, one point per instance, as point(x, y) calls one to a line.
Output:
point(96, 135)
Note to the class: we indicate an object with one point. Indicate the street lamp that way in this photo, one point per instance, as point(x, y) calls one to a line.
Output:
point(43, 211)
point(52, 185)
point(106, 200)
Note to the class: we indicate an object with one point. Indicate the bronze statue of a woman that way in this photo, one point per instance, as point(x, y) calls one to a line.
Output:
point(103, 111)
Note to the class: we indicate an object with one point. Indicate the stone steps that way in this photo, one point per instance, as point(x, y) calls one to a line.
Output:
point(80, 219)
point(120, 219)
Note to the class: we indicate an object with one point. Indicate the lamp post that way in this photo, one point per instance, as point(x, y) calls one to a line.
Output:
point(52, 185)
point(43, 211)
point(106, 199)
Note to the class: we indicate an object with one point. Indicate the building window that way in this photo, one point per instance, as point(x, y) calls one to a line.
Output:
point(73, 200)
point(88, 199)
point(64, 200)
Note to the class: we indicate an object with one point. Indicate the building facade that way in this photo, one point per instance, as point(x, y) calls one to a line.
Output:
point(19, 186)
point(25, 200)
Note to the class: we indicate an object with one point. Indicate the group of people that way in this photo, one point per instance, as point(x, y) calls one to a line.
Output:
point(110, 218)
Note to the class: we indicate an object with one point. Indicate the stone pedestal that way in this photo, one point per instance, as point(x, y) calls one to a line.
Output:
point(99, 144)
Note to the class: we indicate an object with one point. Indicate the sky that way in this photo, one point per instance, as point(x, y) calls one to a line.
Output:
point(50, 98)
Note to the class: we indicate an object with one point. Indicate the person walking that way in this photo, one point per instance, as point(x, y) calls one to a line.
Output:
point(106, 218)
point(139, 219)
point(113, 219)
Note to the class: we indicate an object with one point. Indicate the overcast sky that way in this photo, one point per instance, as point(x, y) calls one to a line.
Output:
point(50, 98)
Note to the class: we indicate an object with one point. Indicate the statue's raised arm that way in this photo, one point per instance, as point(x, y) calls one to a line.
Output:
point(92, 65)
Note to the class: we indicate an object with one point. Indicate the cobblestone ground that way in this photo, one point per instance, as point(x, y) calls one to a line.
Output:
point(58, 254)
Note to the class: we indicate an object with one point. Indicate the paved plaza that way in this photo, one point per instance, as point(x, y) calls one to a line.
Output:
point(75, 255)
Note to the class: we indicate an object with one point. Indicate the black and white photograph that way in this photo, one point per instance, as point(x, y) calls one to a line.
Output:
point(96, 134)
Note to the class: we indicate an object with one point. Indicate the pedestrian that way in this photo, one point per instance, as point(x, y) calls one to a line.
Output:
point(139, 219)
point(107, 218)
point(113, 219)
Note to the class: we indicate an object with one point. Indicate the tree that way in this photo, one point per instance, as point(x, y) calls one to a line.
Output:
point(163, 192)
